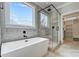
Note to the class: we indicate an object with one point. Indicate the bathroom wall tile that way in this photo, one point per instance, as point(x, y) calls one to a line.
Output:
point(11, 34)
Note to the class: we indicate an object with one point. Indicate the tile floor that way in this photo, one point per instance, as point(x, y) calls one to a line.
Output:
point(68, 49)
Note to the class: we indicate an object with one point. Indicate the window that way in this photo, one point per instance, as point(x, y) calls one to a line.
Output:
point(44, 19)
point(20, 14)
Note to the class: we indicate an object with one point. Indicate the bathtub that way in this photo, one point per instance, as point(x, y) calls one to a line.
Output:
point(35, 47)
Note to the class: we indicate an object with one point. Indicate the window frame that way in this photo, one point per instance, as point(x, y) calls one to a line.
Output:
point(7, 16)
point(47, 19)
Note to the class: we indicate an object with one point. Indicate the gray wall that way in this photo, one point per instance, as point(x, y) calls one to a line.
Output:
point(1, 22)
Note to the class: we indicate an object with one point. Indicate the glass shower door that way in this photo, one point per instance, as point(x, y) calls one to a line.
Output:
point(55, 29)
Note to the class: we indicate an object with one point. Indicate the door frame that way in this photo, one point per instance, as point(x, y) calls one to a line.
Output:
point(62, 22)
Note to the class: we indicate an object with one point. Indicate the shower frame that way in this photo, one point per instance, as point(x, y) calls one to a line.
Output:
point(50, 6)
point(43, 9)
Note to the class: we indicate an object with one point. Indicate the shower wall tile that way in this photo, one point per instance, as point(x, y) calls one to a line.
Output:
point(11, 34)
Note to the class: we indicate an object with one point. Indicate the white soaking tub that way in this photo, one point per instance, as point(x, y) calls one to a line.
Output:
point(35, 47)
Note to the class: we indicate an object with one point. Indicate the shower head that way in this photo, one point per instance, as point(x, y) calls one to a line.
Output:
point(49, 9)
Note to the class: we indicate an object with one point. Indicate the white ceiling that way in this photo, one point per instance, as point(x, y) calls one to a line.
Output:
point(45, 4)
point(56, 4)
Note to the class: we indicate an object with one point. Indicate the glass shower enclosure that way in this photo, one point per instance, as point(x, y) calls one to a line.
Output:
point(53, 22)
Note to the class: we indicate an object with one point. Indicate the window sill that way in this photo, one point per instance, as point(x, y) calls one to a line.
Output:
point(20, 26)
